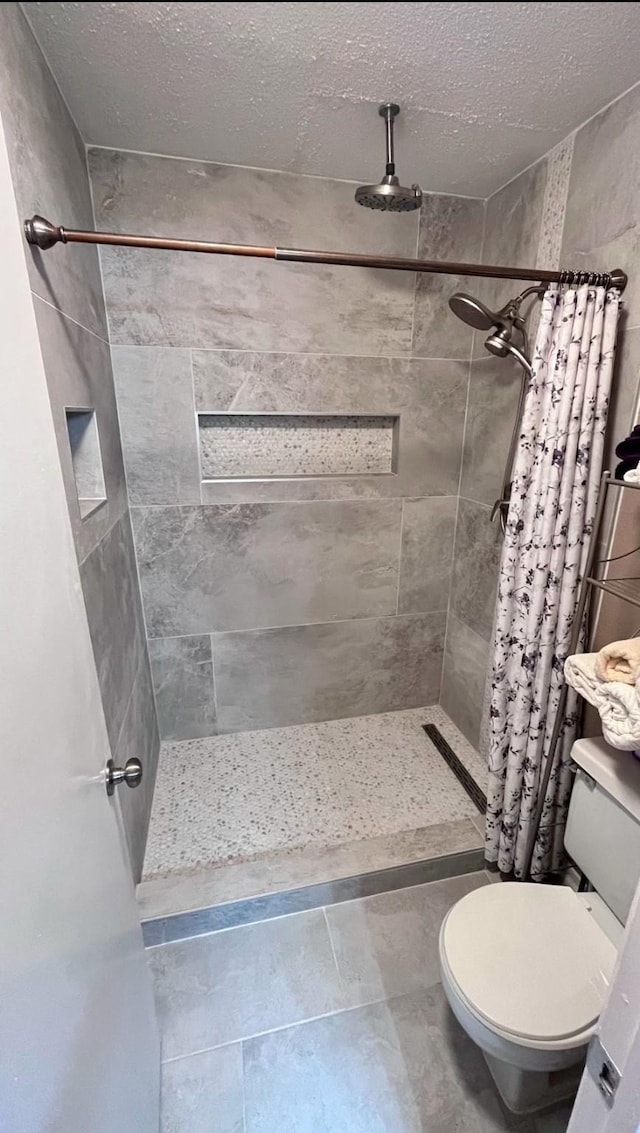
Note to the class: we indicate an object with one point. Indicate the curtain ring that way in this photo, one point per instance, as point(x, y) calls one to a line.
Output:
point(605, 280)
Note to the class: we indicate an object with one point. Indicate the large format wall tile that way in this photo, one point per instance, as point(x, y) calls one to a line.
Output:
point(428, 396)
point(49, 172)
point(464, 673)
point(161, 298)
point(139, 738)
point(78, 369)
point(250, 565)
point(300, 674)
point(494, 390)
point(182, 670)
point(428, 527)
point(475, 569)
point(511, 235)
point(114, 613)
point(157, 420)
point(601, 230)
point(450, 229)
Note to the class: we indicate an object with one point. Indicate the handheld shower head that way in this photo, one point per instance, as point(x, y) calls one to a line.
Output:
point(389, 195)
point(503, 323)
point(472, 311)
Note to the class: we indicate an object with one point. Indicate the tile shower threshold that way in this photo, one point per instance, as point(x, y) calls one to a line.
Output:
point(431, 852)
point(231, 914)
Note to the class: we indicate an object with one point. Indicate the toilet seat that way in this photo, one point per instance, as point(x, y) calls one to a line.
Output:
point(529, 961)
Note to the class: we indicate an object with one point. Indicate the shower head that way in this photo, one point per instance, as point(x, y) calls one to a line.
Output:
point(503, 323)
point(389, 195)
point(472, 311)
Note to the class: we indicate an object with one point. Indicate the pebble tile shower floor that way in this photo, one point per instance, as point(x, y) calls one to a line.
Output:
point(243, 796)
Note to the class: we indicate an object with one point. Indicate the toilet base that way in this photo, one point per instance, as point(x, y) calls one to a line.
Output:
point(526, 1091)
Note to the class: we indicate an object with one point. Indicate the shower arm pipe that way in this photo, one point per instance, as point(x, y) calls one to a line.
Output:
point(43, 234)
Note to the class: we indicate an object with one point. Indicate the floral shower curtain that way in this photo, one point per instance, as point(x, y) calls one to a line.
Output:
point(549, 526)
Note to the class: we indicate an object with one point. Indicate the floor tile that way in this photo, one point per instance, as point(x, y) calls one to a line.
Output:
point(204, 1093)
point(220, 988)
point(398, 1067)
point(343, 1074)
point(387, 945)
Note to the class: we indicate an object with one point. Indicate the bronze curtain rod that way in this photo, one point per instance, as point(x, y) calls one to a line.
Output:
point(44, 235)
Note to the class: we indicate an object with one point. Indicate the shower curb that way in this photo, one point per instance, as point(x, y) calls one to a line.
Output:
point(232, 914)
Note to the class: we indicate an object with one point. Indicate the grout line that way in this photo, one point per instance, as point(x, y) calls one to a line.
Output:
point(400, 557)
point(300, 625)
point(333, 949)
point(99, 251)
point(70, 318)
point(196, 426)
point(234, 503)
point(134, 682)
point(285, 1026)
point(416, 278)
point(213, 680)
point(406, 357)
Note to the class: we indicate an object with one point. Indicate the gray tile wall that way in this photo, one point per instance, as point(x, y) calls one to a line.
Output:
point(284, 600)
point(513, 226)
point(50, 177)
point(577, 208)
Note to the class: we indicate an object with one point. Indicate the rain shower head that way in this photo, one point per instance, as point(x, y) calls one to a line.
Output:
point(389, 195)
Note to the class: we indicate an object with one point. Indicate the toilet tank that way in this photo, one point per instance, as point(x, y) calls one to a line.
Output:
point(603, 824)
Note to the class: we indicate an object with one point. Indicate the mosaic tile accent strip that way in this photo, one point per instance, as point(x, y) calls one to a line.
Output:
point(459, 770)
point(243, 796)
point(554, 206)
point(264, 445)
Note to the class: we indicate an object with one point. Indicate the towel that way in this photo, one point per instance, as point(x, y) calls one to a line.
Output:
point(617, 703)
point(619, 661)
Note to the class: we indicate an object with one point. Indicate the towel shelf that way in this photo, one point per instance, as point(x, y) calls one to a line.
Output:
point(627, 589)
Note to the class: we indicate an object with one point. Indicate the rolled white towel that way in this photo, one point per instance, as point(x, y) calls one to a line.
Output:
point(619, 661)
point(617, 703)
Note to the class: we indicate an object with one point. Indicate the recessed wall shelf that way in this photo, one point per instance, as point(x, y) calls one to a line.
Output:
point(282, 445)
point(84, 442)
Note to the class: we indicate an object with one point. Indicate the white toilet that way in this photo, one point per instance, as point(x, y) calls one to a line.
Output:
point(526, 967)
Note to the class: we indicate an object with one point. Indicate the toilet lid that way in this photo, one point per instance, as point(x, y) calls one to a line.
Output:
point(529, 959)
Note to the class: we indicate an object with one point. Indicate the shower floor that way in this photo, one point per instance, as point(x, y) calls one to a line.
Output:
point(248, 795)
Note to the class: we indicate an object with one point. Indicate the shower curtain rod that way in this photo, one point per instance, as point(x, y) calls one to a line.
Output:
point(44, 235)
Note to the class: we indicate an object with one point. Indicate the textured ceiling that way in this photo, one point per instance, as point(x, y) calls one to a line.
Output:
point(485, 88)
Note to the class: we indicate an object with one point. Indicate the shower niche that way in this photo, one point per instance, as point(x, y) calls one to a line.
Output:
point(86, 459)
point(250, 446)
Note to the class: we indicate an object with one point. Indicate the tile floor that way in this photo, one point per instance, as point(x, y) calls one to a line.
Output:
point(329, 1021)
point(248, 795)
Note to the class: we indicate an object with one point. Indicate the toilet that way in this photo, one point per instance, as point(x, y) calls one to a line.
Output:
point(526, 967)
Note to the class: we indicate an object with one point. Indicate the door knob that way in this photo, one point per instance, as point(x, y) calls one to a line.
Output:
point(131, 774)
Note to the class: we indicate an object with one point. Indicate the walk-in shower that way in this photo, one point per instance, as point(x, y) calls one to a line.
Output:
point(504, 325)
